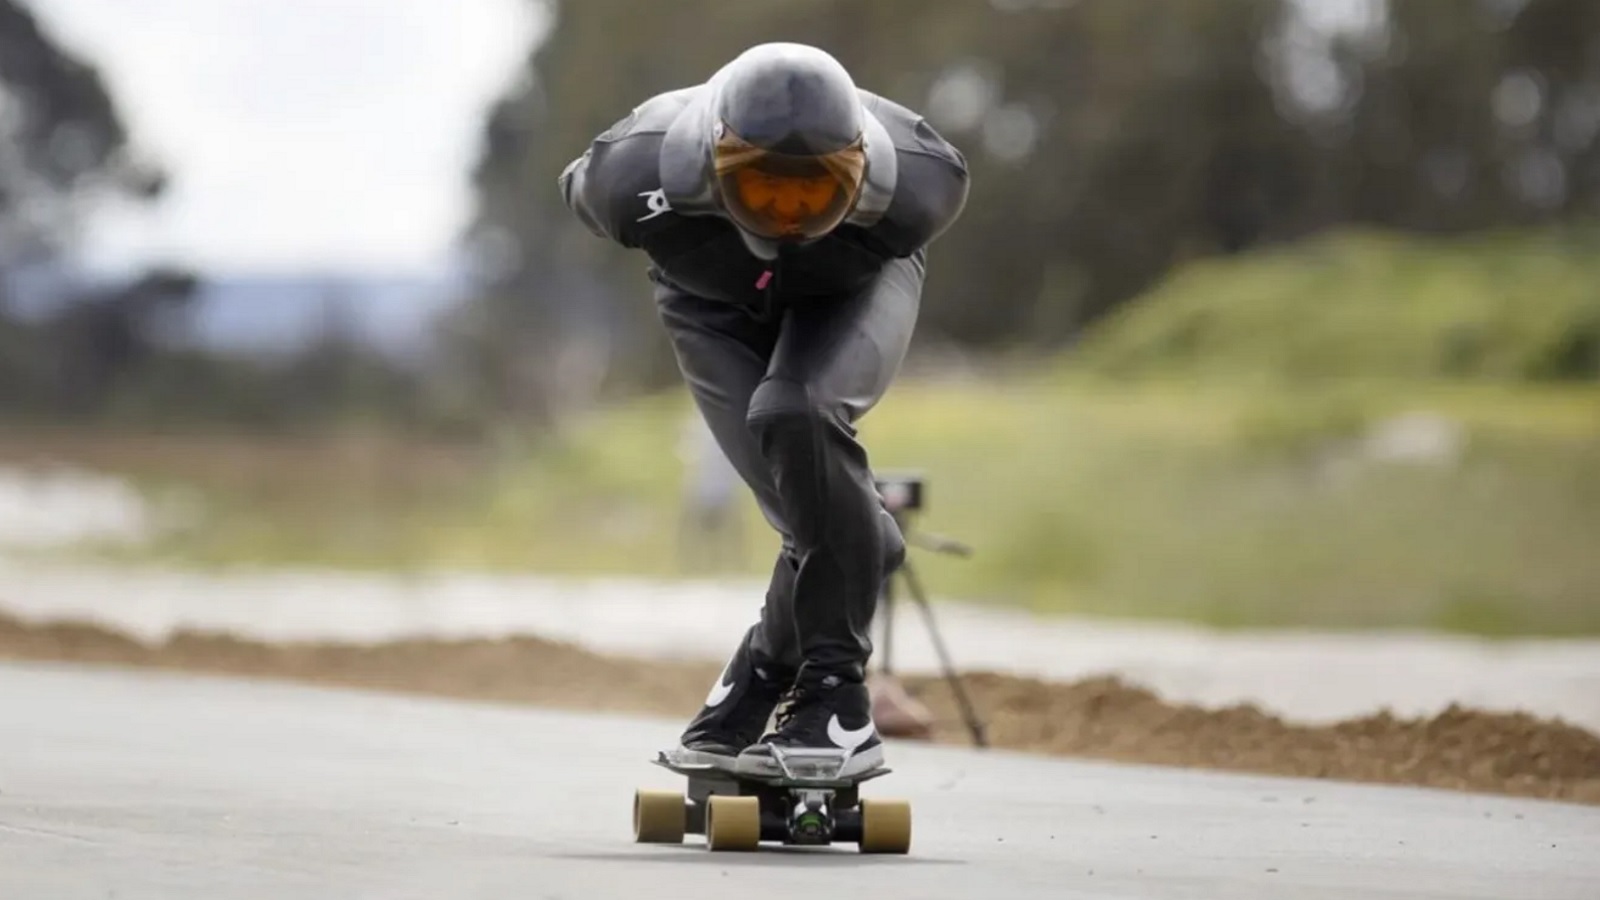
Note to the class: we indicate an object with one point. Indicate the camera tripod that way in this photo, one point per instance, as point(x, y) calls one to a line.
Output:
point(935, 544)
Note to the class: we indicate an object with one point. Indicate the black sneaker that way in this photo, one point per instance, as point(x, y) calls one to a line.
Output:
point(826, 728)
point(736, 711)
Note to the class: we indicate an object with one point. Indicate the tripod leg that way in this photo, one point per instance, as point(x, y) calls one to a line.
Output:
point(886, 613)
point(967, 712)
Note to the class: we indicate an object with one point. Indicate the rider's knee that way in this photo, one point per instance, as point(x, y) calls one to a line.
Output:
point(894, 544)
point(783, 417)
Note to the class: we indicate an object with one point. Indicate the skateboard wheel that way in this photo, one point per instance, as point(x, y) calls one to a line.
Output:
point(885, 826)
point(733, 823)
point(658, 817)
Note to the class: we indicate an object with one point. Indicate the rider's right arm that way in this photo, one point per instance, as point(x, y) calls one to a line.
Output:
point(586, 190)
point(574, 183)
point(600, 186)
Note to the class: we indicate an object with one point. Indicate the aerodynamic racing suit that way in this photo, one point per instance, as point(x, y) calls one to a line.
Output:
point(785, 343)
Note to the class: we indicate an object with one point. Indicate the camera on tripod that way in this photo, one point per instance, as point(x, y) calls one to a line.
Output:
point(902, 492)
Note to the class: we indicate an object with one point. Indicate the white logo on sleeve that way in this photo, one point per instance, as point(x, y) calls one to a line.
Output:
point(656, 202)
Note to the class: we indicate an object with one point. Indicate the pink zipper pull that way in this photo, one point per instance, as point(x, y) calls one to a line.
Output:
point(764, 280)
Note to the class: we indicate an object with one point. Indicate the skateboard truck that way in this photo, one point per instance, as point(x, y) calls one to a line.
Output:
point(812, 820)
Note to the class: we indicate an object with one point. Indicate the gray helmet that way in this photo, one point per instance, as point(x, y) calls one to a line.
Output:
point(789, 143)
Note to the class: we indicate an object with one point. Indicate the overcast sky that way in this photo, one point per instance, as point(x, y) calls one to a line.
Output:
point(306, 134)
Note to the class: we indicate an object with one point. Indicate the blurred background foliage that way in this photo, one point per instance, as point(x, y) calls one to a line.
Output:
point(1260, 311)
point(1112, 142)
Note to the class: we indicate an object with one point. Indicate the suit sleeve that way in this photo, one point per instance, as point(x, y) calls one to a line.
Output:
point(939, 198)
point(574, 182)
point(931, 195)
point(600, 186)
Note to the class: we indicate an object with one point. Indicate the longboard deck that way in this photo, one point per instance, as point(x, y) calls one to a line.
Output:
point(706, 771)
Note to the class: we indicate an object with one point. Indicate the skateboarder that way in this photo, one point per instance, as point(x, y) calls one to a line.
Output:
point(786, 214)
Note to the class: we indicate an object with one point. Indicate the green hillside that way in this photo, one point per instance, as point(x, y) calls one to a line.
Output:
point(1503, 306)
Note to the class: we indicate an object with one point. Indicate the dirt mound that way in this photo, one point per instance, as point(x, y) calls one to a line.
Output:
point(1100, 718)
point(1459, 748)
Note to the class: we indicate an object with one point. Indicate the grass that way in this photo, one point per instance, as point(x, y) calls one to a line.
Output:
point(1220, 505)
point(1240, 509)
point(1517, 305)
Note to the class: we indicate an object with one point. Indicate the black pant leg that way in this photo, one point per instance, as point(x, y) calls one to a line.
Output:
point(723, 352)
point(833, 362)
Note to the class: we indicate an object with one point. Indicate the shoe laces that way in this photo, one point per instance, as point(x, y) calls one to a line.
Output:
point(787, 709)
point(796, 702)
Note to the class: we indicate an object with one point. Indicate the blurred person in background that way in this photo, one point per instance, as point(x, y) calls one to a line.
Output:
point(710, 534)
point(786, 214)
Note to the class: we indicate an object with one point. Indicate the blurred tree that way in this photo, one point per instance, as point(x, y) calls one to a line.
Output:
point(1109, 140)
point(87, 349)
point(104, 339)
point(60, 137)
point(62, 143)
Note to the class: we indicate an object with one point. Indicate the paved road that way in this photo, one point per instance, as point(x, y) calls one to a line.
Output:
point(154, 786)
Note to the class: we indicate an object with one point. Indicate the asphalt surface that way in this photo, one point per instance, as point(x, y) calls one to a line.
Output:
point(137, 785)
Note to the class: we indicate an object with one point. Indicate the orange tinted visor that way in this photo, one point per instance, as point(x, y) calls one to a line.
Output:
point(778, 196)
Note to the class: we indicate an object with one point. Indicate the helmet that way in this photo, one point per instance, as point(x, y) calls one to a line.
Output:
point(788, 142)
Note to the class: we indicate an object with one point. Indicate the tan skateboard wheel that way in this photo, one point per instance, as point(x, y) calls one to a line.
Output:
point(659, 817)
point(885, 826)
point(733, 823)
